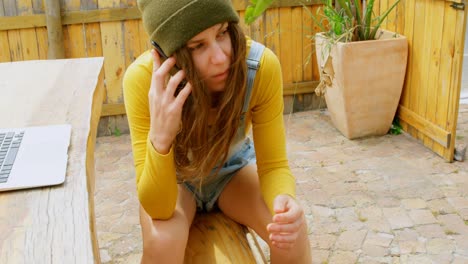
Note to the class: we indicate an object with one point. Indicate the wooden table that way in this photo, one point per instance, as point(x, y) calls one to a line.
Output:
point(53, 224)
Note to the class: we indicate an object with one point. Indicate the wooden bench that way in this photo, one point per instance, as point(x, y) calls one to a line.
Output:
point(215, 238)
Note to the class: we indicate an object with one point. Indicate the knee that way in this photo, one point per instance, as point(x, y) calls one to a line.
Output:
point(164, 242)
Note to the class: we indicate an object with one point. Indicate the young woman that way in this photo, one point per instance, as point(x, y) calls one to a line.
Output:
point(190, 146)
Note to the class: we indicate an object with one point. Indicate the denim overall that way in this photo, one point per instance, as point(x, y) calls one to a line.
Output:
point(241, 152)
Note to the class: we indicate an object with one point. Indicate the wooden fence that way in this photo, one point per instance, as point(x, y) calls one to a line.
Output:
point(113, 29)
point(429, 104)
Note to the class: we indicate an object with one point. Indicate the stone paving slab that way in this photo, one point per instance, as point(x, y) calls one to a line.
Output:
point(375, 200)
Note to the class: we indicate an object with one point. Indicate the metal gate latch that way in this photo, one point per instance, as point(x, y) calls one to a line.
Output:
point(459, 6)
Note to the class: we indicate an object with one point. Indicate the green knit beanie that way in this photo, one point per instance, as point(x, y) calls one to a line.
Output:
point(171, 23)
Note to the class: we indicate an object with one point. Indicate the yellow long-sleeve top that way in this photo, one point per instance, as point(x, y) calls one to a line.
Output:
point(156, 174)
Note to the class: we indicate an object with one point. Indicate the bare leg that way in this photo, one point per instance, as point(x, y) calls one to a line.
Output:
point(242, 201)
point(164, 241)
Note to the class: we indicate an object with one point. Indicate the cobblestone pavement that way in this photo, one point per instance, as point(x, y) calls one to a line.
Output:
point(376, 200)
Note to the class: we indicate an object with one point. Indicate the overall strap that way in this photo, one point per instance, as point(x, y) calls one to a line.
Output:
point(253, 63)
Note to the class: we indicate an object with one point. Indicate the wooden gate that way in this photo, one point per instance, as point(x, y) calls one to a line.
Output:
point(428, 107)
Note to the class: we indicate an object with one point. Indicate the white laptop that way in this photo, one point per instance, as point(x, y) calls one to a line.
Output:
point(33, 156)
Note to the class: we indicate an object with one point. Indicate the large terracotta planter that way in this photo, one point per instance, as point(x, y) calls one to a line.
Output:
point(362, 82)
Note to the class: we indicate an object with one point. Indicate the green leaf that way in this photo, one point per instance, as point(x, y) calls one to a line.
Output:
point(256, 9)
point(396, 128)
point(249, 15)
point(381, 19)
point(358, 19)
point(345, 4)
point(117, 132)
point(368, 19)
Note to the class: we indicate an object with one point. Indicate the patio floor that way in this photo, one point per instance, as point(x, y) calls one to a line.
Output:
point(375, 200)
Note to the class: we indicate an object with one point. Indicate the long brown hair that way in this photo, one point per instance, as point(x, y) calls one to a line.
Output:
point(197, 150)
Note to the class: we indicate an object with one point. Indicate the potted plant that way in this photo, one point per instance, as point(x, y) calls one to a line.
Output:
point(362, 67)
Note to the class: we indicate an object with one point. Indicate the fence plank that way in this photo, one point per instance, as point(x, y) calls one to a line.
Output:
point(132, 42)
point(93, 40)
point(435, 20)
point(2, 11)
point(18, 22)
point(38, 7)
point(94, 46)
point(383, 8)
point(9, 8)
point(42, 42)
point(425, 49)
point(16, 50)
point(256, 31)
point(418, 41)
point(144, 43)
point(114, 63)
point(112, 48)
point(76, 32)
point(272, 30)
point(242, 23)
point(286, 43)
point(377, 9)
point(4, 47)
point(67, 42)
point(296, 51)
point(71, 5)
point(285, 56)
point(316, 28)
point(113, 109)
point(28, 36)
point(401, 11)
point(14, 38)
point(453, 102)
point(77, 40)
point(392, 16)
point(445, 70)
point(29, 44)
point(428, 129)
point(88, 4)
point(92, 32)
point(311, 100)
point(408, 32)
point(239, 4)
point(306, 47)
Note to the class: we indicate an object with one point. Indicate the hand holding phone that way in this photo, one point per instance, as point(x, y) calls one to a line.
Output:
point(173, 71)
point(165, 109)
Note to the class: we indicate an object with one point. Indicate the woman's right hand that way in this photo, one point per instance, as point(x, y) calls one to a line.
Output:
point(165, 108)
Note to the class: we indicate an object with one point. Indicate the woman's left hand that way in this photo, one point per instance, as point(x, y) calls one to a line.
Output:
point(287, 222)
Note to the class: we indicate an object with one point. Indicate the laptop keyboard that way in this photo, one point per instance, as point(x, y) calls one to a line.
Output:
point(9, 146)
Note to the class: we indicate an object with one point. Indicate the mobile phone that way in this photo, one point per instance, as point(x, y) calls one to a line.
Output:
point(173, 71)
